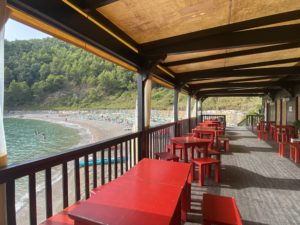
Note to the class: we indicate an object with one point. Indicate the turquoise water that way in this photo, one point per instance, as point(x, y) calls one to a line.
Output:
point(31, 139)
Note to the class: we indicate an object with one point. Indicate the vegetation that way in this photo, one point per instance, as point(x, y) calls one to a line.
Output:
point(50, 74)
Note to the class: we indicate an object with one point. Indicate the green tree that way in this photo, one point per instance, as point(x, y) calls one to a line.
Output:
point(18, 93)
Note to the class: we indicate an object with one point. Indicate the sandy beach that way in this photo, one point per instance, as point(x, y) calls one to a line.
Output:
point(90, 131)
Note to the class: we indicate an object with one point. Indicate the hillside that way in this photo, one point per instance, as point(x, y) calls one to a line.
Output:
point(51, 74)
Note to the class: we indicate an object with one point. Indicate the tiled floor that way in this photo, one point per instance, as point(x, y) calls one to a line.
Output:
point(266, 187)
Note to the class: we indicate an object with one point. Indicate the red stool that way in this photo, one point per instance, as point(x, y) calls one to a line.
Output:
point(214, 153)
point(294, 152)
point(282, 142)
point(169, 148)
point(225, 141)
point(204, 164)
point(210, 153)
point(166, 156)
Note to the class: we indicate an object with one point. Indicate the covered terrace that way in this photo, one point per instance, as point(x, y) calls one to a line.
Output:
point(200, 48)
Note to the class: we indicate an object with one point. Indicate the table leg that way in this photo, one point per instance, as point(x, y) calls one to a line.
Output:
point(217, 172)
point(296, 155)
point(201, 175)
point(185, 154)
point(192, 152)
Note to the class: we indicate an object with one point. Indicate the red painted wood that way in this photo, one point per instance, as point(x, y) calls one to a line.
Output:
point(204, 164)
point(190, 142)
point(220, 210)
point(166, 156)
point(62, 218)
point(147, 194)
point(130, 202)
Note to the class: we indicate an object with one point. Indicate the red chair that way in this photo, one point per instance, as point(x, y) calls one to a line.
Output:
point(204, 166)
point(169, 148)
point(166, 156)
point(282, 142)
point(220, 210)
point(294, 152)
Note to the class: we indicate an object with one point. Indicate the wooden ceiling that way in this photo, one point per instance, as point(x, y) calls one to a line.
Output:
point(206, 47)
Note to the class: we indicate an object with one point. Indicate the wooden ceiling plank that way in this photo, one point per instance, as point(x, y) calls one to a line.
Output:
point(234, 85)
point(99, 3)
point(262, 36)
point(258, 64)
point(277, 71)
point(235, 54)
point(248, 24)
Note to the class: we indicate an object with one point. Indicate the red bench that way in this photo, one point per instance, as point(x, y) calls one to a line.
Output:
point(62, 218)
point(220, 210)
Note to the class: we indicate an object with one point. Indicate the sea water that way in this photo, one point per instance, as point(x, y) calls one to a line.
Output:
point(33, 139)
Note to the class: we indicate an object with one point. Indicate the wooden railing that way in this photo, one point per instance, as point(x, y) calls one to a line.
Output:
point(252, 120)
point(219, 117)
point(100, 162)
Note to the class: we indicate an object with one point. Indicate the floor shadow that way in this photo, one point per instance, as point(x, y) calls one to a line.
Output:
point(240, 178)
point(241, 137)
point(247, 222)
point(242, 149)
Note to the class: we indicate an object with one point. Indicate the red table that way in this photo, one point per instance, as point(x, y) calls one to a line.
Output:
point(190, 142)
point(147, 194)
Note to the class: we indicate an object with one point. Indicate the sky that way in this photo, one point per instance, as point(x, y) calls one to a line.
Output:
point(18, 31)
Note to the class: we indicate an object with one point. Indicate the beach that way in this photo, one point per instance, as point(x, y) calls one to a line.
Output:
point(91, 129)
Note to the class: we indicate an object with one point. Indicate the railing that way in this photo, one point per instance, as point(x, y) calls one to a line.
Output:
point(119, 155)
point(252, 120)
point(219, 117)
point(183, 127)
point(91, 165)
point(156, 139)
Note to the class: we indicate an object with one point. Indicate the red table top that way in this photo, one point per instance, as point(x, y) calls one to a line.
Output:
point(128, 203)
point(189, 140)
point(161, 172)
point(147, 194)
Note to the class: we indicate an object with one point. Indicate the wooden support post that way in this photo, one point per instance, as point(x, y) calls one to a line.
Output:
point(197, 104)
point(296, 108)
point(189, 110)
point(147, 102)
point(175, 105)
point(141, 112)
point(4, 15)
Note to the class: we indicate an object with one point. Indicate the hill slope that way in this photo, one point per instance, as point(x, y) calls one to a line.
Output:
point(48, 74)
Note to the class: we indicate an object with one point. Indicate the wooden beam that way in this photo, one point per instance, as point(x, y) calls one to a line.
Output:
point(236, 85)
point(262, 36)
point(235, 95)
point(249, 65)
point(98, 3)
point(232, 91)
point(234, 54)
point(211, 73)
point(257, 22)
point(64, 18)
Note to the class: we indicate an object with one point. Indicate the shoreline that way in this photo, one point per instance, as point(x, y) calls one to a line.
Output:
point(89, 130)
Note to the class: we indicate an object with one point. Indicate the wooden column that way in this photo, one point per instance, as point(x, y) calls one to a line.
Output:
point(280, 112)
point(189, 100)
point(283, 112)
point(297, 108)
point(197, 104)
point(4, 15)
point(148, 91)
point(141, 80)
point(175, 107)
point(175, 104)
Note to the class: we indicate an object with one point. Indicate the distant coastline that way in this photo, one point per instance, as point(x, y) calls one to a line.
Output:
point(89, 129)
